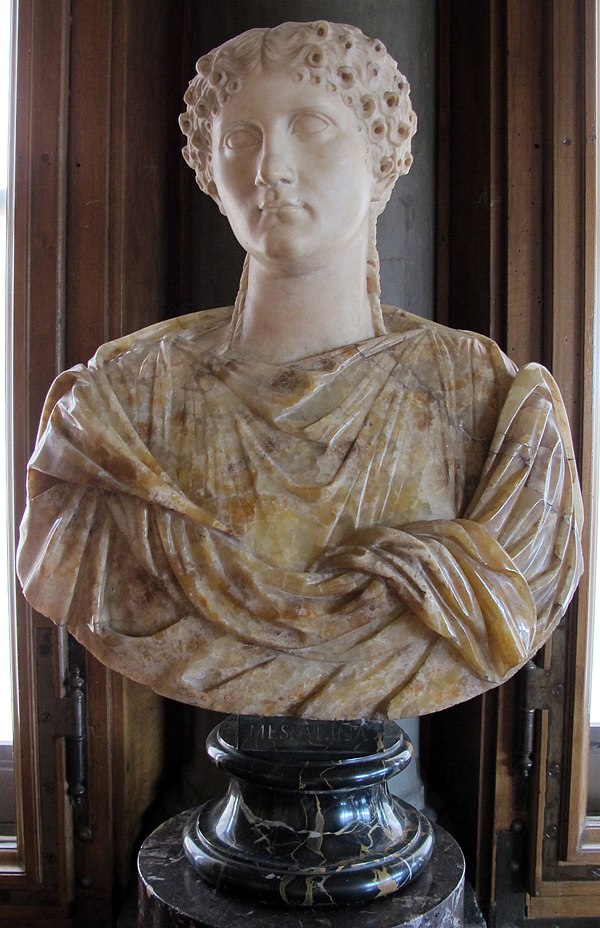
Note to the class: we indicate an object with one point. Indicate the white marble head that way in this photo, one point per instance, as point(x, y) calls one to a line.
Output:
point(333, 66)
point(338, 58)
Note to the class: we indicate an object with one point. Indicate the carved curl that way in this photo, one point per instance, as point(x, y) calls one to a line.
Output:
point(338, 57)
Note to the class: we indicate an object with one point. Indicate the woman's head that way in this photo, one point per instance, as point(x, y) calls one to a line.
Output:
point(337, 58)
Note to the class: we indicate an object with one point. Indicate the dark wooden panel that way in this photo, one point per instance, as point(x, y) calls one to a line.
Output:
point(148, 207)
point(526, 152)
point(88, 180)
point(475, 52)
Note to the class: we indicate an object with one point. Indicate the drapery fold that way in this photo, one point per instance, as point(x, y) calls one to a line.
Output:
point(264, 538)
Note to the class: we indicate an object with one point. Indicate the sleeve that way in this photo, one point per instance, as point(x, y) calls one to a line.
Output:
point(529, 498)
point(89, 543)
point(495, 582)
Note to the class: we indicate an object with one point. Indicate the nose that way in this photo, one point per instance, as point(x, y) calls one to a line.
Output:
point(273, 170)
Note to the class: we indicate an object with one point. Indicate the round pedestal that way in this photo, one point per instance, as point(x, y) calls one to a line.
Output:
point(308, 819)
point(173, 895)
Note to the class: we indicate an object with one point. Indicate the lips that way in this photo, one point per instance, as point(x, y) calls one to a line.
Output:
point(279, 204)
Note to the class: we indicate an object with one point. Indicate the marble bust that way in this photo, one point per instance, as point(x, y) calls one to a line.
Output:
point(308, 504)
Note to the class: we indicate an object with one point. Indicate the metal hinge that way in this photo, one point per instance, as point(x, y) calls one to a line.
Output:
point(75, 737)
point(63, 718)
point(538, 689)
point(67, 715)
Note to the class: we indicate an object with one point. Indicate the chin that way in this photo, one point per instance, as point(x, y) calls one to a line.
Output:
point(289, 248)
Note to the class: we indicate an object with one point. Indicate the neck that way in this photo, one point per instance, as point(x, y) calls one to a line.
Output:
point(295, 311)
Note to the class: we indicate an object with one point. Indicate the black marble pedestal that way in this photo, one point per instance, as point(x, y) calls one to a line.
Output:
point(173, 895)
point(308, 818)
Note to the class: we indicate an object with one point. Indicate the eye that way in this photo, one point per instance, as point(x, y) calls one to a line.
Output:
point(310, 124)
point(241, 137)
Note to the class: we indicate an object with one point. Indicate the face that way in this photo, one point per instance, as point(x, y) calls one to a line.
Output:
point(292, 171)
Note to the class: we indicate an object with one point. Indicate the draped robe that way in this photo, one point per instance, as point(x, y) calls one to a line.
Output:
point(383, 529)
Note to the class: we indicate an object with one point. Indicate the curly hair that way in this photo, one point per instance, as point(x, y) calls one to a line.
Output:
point(338, 57)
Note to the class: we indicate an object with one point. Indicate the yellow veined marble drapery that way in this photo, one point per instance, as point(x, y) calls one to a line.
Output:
point(384, 529)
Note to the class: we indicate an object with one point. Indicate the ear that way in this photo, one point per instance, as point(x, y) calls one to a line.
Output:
point(214, 193)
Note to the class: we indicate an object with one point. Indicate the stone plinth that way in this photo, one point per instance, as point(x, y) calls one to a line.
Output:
point(308, 818)
point(173, 895)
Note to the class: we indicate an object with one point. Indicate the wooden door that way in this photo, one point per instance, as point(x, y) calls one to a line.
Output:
point(97, 91)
